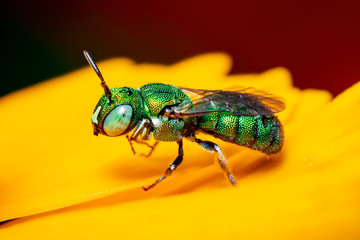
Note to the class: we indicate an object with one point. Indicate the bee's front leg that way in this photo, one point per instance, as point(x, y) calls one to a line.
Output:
point(172, 167)
point(152, 148)
point(141, 127)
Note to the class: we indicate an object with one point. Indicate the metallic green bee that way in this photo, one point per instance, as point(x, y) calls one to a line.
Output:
point(244, 117)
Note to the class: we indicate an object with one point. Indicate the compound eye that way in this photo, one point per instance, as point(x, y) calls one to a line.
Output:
point(118, 120)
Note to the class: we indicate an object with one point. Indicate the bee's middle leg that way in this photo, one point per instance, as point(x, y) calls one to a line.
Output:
point(211, 147)
point(172, 167)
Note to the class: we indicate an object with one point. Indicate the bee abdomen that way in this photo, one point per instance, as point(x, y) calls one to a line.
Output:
point(263, 133)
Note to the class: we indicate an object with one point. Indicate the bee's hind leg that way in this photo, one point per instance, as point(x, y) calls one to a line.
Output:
point(211, 147)
point(172, 167)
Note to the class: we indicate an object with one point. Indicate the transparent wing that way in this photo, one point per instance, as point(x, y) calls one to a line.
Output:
point(237, 101)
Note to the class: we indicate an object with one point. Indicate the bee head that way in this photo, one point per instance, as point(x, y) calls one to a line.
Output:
point(119, 116)
point(118, 110)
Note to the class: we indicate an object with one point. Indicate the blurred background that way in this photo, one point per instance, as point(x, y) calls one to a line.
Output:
point(318, 41)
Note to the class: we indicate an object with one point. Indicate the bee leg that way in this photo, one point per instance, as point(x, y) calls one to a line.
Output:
point(132, 148)
point(172, 167)
point(145, 135)
point(151, 150)
point(211, 147)
point(138, 129)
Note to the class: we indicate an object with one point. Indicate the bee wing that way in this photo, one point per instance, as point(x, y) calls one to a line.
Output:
point(237, 101)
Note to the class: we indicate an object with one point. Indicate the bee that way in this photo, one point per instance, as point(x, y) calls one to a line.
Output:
point(241, 116)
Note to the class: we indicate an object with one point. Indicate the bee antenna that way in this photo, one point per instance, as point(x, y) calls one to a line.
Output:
point(97, 71)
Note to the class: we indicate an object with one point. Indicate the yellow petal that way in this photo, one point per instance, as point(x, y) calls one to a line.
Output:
point(310, 191)
point(51, 160)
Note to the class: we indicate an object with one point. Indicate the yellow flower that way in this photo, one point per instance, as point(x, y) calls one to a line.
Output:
point(58, 181)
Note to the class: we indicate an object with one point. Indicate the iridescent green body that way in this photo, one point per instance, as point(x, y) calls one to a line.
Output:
point(156, 97)
point(259, 132)
point(263, 133)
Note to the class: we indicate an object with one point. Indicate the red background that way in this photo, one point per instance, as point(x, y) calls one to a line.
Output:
point(318, 41)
